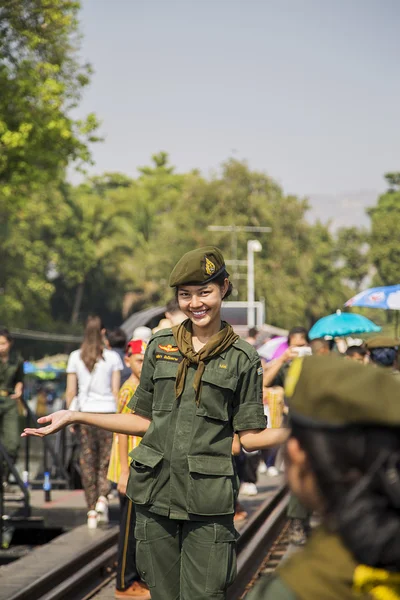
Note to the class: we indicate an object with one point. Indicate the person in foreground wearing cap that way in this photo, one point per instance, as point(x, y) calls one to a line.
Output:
point(128, 583)
point(343, 460)
point(200, 383)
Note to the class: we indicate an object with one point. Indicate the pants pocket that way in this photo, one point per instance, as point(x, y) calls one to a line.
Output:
point(144, 561)
point(221, 570)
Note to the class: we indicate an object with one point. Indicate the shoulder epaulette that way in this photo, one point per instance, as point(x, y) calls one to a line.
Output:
point(247, 348)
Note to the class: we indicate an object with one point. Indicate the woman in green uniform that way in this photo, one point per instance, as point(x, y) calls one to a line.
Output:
point(343, 460)
point(200, 383)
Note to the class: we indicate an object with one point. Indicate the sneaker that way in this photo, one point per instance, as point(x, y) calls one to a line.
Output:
point(297, 532)
point(249, 489)
point(138, 590)
point(102, 509)
point(92, 519)
point(262, 468)
point(272, 471)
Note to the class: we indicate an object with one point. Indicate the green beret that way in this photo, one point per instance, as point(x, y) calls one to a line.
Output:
point(381, 341)
point(198, 267)
point(328, 391)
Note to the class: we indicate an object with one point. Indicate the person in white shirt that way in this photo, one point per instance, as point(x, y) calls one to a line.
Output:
point(93, 380)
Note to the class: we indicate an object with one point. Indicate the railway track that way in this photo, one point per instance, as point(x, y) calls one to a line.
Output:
point(87, 574)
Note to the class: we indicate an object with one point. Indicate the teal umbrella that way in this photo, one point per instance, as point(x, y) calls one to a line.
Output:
point(340, 324)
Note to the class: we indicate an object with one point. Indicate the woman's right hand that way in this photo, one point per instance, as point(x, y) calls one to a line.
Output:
point(288, 355)
point(57, 420)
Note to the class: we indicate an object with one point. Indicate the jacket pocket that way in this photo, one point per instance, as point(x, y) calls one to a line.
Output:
point(145, 468)
point(218, 388)
point(164, 385)
point(211, 485)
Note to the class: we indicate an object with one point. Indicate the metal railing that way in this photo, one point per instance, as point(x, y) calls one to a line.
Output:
point(54, 458)
point(51, 472)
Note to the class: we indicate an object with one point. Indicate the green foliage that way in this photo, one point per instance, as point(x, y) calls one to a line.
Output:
point(69, 250)
point(352, 250)
point(27, 257)
point(384, 239)
point(41, 81)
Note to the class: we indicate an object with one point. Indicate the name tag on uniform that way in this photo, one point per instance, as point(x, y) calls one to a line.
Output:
point(169, 357)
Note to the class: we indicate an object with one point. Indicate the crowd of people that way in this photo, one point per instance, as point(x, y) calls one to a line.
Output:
point(174, 419)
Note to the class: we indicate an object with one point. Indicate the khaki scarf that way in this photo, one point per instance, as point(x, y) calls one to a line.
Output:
point(216, 344)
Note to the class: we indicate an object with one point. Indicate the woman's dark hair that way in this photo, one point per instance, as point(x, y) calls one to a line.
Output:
point(298, 331)
point(116, 337)
point(172, 306)
point(357, 470)
point(386, 357)
point(352, 350)
point(5, 333)
point(220, 280)
point(92, 345)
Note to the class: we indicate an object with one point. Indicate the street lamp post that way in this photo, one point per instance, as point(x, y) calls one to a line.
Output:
point(234, 230)
point(252, 246)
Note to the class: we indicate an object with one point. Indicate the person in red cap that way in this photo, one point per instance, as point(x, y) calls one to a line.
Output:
point(128, 583)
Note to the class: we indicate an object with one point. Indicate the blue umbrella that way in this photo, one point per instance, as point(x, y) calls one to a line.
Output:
point(386, 297)
point(341, 324)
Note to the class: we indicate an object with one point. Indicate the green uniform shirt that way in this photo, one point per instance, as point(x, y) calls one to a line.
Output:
point(183, 467)
point(11, 373)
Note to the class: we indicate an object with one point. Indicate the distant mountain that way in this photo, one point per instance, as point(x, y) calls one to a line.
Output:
point(343, 210)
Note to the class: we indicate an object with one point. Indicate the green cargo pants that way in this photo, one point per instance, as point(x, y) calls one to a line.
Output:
point(9, 426)
point(185, 560)
point(296, 510)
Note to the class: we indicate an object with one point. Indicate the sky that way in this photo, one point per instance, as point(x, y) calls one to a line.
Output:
point(306, 90)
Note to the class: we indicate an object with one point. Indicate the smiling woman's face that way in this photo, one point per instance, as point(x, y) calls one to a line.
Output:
point(202, 303)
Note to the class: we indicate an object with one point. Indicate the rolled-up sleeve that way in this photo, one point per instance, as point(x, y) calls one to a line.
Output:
point(248, 410)
point(142, 400)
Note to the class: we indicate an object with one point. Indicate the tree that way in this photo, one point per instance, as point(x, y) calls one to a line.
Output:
point(41, 80)
point(284, 268)
point(97, 234)
point(352, 251)
point(28, 258)
point(385, 227)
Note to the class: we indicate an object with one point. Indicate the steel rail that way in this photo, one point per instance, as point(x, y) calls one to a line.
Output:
point(257, 539)
point(82, 577)
point(48, 584)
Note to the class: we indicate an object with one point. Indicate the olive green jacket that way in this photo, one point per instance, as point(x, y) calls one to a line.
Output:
point(11, 373)
point(183, 467)
point(326, 570)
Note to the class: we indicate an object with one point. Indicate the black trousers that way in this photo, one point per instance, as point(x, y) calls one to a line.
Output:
point(251, 463)
point(126, 571)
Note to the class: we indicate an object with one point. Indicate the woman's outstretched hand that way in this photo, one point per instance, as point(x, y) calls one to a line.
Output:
point(57, 421)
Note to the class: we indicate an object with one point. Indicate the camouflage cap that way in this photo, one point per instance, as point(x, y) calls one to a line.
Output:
point(328, 391)
point(198, 267)
point(381, 341)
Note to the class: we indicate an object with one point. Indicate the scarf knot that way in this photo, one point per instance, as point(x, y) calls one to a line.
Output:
point(218, 343)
